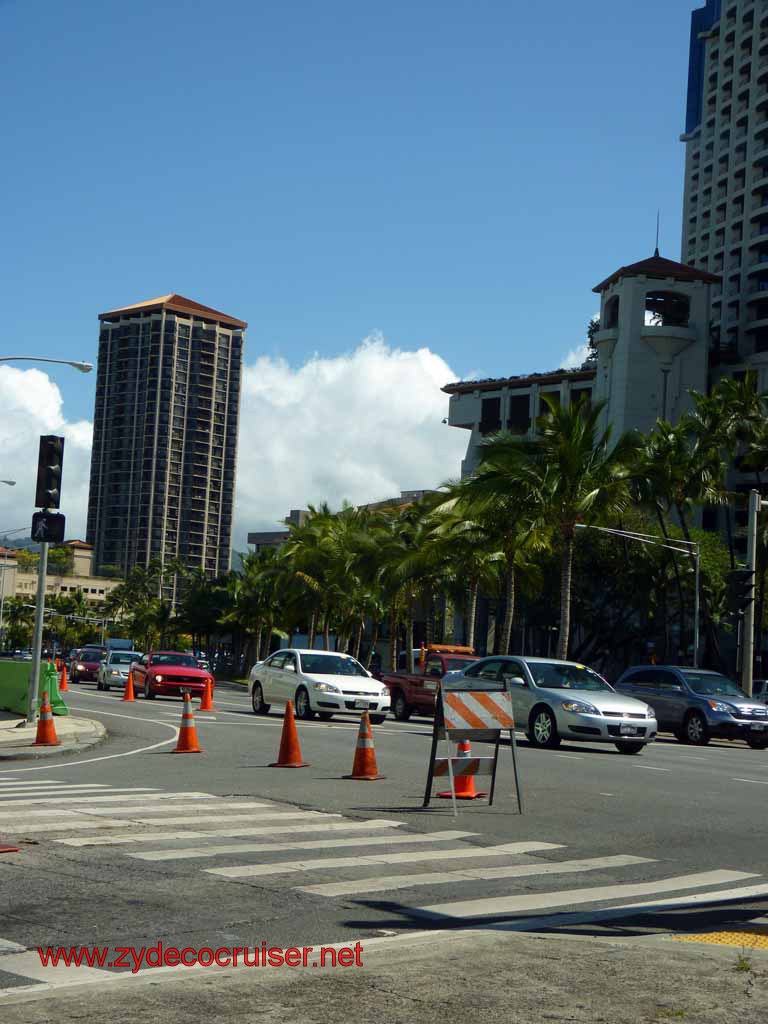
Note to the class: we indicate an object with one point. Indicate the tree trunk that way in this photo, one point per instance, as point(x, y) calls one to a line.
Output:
point(392, 638)
point(448, 620)
point(678, 578)
point(312, 628)
point(372, 648)
point(327, 631)
point(429, 625)
point(259, 636)
point(409, 639)
point(509, 614)
point(472, 615)
point(358, 640)
point(566, 573)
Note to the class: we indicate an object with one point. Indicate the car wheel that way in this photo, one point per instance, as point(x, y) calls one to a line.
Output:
point(377, 719)
point(325, 716)
point(148, 695)
point(696, 729)
point(257, 701)
point(105, 686)
point(400, 707)
point(543, 728)
point(757, 742)
point(629, 748)
point(99, 685)
point(303, 707)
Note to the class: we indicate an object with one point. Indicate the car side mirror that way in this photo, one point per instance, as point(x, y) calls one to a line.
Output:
point(516, 681)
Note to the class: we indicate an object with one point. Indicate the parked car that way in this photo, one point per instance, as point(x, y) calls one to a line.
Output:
point(760, 690)
point(696, 704)
point(114, 669)
point(319, 683)
point(414, 693)
point(562, 700)
point(169, 673)
point(85, 667)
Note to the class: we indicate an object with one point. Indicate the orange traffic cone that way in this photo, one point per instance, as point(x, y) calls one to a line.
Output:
point(8, 849)
point(188, 733)
point(128, 693)
point(463, 785)
point(58, 666)
point(63, 685)
point(206, 701)
point(46, 730)
point(364, 765)
point(289, 755)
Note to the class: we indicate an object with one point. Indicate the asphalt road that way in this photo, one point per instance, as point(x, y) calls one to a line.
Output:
point(121, 861)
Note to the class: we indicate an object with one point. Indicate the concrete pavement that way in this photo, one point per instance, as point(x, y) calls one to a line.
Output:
point(76, 735)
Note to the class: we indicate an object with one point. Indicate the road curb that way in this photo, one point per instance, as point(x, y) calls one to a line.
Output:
point(86, 734)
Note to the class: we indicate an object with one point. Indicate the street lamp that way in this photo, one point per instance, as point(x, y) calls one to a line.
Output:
point(82, 367)
point(683, 547)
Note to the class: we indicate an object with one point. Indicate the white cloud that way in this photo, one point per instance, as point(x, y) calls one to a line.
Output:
point(31, 405)
point(361, 426)
point(573, 359)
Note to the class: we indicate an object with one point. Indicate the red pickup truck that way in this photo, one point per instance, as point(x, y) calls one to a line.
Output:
point(415, 693)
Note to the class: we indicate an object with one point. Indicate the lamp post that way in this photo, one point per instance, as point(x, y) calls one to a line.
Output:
point(76, 363)
point(683, 547)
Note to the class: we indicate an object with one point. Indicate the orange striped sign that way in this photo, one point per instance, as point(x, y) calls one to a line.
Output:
point(473, 709)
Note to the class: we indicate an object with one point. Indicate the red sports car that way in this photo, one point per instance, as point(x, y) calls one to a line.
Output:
point(169, 673)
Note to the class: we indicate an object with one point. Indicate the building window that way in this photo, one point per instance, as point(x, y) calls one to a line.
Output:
point(490, 416)
point(519, 421)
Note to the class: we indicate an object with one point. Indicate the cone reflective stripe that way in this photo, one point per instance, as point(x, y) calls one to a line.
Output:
point(364, 766)
point(289, 755)
point(128, 693)
point(46, 730)
point(8, 849)
point(463, 785)
point(187, 743)
point(206, 701)
point(63, 686)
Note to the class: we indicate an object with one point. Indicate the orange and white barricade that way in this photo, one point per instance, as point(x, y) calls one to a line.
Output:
point(478, 716)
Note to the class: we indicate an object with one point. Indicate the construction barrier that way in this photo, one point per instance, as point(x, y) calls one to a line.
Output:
point(14, 687)
point(478, 716)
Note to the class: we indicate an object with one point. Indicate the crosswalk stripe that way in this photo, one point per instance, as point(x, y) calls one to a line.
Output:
point(108, 810)
point(399, 839)
point(563, 867)
point(72, 823)
point(36, 782)
point(55, 791)
point(744, 892)
point(235, 818)
point(459, 853)
point(68, 825)
point(496, 906)
point(232, 833)
point(137, 793)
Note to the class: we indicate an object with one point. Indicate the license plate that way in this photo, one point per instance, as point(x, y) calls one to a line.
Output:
point(627, 730)
point(362, 705)
point(757, 726)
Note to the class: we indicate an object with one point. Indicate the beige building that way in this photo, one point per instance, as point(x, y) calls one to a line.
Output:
point(14, 582)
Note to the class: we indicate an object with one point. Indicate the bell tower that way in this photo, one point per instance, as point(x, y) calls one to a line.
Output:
point(653, 343)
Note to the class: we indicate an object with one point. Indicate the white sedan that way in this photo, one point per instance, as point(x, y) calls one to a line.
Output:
point(319, 683)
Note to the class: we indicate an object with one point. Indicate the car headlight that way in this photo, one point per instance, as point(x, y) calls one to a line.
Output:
point(80, 667)
point(114, 672)
point(649, 712)
point(326, 687)
point(580, 707)
point(158, 679)
point(718, 705)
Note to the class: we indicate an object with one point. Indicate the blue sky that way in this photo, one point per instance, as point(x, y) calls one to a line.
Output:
point(457, 175)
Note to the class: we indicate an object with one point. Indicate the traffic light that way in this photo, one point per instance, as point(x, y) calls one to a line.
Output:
point(741, 584)
point(48, 527)
point(49, 466)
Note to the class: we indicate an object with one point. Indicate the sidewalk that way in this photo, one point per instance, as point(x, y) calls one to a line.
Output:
point(76, 734)
point(468, 977)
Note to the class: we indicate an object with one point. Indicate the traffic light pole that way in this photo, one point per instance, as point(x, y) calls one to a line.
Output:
point(37, 642)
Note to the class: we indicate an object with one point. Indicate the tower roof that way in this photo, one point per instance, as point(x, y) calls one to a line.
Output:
point(175, 303)
point(659, 267)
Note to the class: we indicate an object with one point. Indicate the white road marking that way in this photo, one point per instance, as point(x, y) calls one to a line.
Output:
point(70, 825)
point(56, 789)
point(128, 795)
point(201, 807)
point(235, 819)
point(650, 768)
point(571, 757)
point(757, 782)
point(6, 946)
point(606, 794)
point(536, 901)
point(745, 892)
point(28, 965)
point(233, 833)
point(317, 844)
point(459, 853)
point(37, 782)
point(366, 885)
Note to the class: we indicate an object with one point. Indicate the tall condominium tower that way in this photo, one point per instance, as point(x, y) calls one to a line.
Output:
point(165, 435)
point(725, 218)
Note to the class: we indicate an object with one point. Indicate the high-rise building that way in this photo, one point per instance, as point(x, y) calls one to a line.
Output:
point(165, 435)
point(725, 217)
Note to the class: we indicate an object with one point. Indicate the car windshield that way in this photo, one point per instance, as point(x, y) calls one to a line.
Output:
point(92, 654)
point(555, 675)
point(457, 664)
point(123, 658)
point(331, 665)
point(710, 683)
point(174, 659)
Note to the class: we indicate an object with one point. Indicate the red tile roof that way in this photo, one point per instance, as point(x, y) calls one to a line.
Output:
point(175, 303)
point(659, 267)
point(80, 544)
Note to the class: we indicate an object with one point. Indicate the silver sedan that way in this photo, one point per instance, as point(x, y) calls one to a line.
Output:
point(557, 700)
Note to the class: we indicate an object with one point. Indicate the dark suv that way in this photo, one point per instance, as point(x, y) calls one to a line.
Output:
point(696, 704)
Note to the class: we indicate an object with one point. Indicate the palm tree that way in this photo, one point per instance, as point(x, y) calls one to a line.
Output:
point(567, 474)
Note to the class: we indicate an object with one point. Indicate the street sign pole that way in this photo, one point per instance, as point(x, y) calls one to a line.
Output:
point(37, 643)
point(749, 612)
